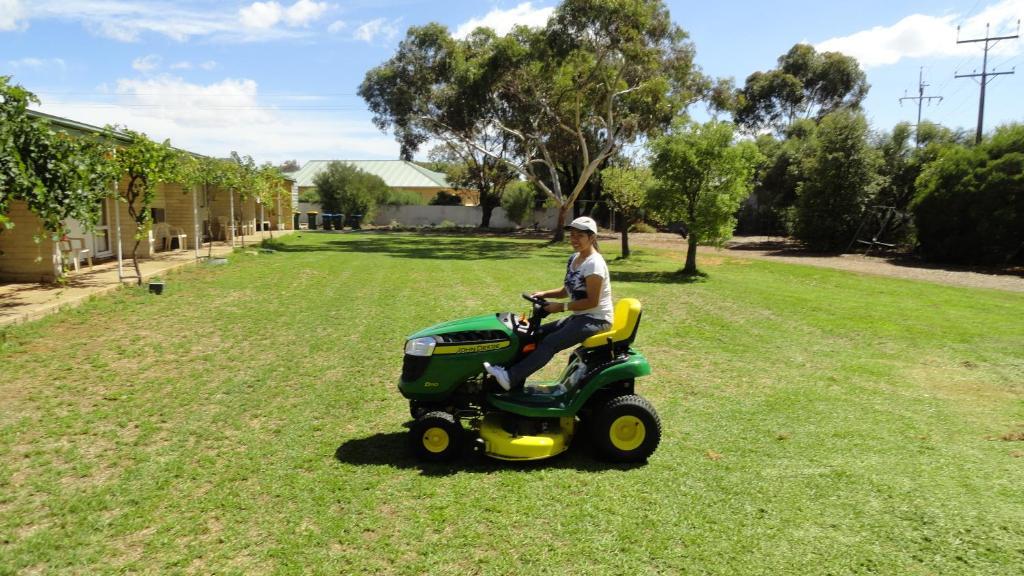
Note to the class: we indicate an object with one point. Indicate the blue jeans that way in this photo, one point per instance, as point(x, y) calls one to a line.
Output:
point(553, 338)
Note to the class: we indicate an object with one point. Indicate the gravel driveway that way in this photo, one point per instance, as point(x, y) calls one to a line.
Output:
point(778, 249)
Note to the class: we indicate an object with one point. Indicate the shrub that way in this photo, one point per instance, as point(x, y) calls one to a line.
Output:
point(969, 206)
point(446, 199)
point(518, 201)
point(402, 198)
point(345, 189)
point(642, 228)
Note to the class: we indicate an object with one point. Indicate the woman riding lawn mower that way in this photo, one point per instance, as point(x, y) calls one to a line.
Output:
point(444, 380)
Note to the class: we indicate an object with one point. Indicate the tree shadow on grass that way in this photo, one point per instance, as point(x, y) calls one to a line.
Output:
point(418, 247)
point(660, 277)
point(392, 449)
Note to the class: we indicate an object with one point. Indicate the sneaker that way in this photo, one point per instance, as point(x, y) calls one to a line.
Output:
point(500, 374)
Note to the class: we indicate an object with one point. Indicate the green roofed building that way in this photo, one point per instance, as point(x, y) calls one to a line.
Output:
point(397, 174)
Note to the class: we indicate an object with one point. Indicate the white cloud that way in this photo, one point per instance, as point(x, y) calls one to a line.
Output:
point(373, 29)
point(37, 63)
point(170, 97)
point(261, 14)
point(924, 36)
point(303, 12)
point(502, 21)
point(216, 118)
point(264, 15)
point(147, 63)
point(186, 65)
point(127, 20)
point(337, 26)
point(12, 15)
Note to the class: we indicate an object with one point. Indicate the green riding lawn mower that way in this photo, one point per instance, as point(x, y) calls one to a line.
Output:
point(444, 380)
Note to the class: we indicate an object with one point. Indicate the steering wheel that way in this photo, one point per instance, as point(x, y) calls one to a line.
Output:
point(539, 311)
point(536, 301)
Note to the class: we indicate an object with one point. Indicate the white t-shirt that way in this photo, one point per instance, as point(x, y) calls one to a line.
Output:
point(576, 285)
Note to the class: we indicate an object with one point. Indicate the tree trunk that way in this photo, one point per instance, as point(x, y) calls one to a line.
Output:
point(559, 233)
point(625, 239)
point(135, 261)
point(691, 256)
point(485, 220)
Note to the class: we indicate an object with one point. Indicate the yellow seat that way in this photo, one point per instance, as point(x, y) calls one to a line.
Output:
point(624, 324)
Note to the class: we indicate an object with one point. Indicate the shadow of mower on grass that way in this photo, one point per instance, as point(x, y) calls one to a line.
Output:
point(392, 449)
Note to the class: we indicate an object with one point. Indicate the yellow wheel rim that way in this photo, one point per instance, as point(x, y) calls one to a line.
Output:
point(627, 433)
point(435, 440)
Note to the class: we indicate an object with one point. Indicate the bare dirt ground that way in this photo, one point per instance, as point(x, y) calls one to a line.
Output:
point(896, 265)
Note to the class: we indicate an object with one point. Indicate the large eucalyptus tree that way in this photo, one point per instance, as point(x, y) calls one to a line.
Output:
point(600, 74)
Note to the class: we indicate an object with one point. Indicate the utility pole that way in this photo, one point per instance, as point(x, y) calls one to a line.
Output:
point(985, 74)
point(920, 100)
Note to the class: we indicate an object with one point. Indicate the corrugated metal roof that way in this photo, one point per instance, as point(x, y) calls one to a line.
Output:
point(77, 128)
point(395, 173)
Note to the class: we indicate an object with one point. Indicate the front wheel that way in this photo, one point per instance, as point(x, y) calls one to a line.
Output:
point(626, 429)
point(436, 437)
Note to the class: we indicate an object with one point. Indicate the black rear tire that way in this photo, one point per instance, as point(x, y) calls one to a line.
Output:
point(436, 437)
point(626, 429)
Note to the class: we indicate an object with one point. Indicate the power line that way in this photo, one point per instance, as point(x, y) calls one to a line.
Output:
point(985, 74)
point(920, 100)
point(971, 11)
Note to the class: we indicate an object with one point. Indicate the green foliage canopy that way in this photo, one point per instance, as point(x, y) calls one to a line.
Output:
point(702, 178)
point(59, 177)
point(805, 84)
point(519, 200)
point(970, 201)
point(840, 182)
point(600, 73)
point(345, 189)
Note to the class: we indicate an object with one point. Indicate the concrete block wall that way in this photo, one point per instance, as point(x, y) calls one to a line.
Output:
point(22, 258)
point(458, 215)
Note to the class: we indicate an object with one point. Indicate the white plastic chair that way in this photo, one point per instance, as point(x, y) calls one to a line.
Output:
point(73, 255)
point(176, 232)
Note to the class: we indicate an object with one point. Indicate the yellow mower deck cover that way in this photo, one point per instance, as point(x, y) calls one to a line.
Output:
point(498, 443)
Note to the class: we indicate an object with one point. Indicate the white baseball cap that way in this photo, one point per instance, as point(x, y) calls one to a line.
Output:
point(584, 223)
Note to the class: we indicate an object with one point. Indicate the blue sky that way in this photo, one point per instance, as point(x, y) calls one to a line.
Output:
point(278, 79)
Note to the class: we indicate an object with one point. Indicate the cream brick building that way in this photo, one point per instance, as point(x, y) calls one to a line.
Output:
point(29, 253)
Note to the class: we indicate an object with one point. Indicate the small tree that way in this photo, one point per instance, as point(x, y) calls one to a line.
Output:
point(268, 186)
point(146, 164)
point(465, 167)
point(627, 189)
point(702, 178)
point(518, 201)
point(348, 190)
point(241, 179)
point(210, 175)
point(840, 182)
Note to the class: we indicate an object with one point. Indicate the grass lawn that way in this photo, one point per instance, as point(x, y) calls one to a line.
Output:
point(247, 421)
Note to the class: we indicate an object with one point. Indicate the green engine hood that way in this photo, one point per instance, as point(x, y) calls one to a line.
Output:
point(472, 324)
point(462, 346)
